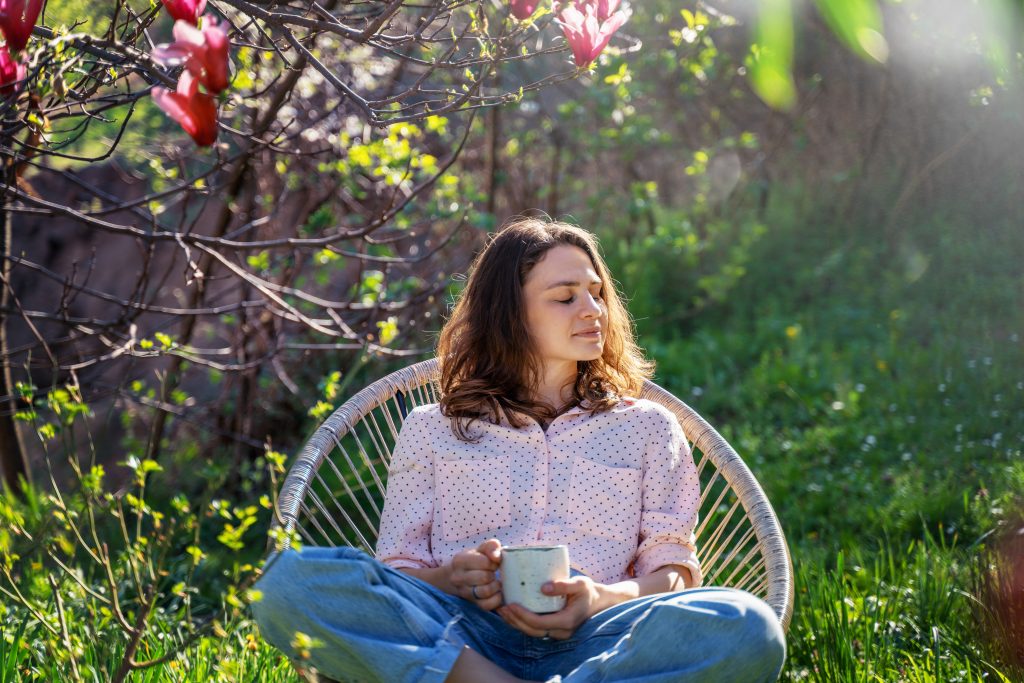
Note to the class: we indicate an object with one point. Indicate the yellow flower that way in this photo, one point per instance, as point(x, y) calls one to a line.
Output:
point(793, 331)
point(881, 365)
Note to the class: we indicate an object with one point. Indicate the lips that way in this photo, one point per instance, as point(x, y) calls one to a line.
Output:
point(591, 331)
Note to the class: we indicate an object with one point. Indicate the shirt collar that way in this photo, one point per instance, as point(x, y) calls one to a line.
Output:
point(584, 406)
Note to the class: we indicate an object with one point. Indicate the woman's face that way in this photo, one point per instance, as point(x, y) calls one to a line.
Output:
point(565, 313)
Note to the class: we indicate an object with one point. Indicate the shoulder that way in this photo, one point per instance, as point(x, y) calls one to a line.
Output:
point(644, 409)
point(649, 418)
point(423, 416)
point(426, 409)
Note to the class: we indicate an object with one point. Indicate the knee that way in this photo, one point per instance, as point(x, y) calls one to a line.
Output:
point(274, 591)
point(742, 623)
point(764, 643)
point(294, 583)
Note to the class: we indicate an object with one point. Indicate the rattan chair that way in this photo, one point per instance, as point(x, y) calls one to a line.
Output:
point(334, 492)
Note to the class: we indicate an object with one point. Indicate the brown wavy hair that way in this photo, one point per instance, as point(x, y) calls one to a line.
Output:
point(488, 363)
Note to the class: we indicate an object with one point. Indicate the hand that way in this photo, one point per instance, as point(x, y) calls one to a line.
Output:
point(474, 569)
point(584, 598)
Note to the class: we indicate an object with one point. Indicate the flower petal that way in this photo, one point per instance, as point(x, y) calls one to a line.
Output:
point(608, 28)
point(172, 54)
point(185, 32)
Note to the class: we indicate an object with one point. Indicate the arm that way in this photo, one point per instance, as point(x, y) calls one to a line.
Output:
point(408, 519)
point(438, 577)
point(668, 579)
point(408, 516)
point(671, 499)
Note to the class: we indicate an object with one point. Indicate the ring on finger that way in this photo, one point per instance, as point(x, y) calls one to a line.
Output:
point(547, 635)
point(473, 591)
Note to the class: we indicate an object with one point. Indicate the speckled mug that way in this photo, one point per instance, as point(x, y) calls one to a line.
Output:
point(525, 568)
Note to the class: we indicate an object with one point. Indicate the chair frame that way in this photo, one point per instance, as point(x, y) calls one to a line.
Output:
point(417, 382)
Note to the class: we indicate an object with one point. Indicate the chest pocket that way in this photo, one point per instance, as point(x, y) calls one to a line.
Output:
point(606, 501)
point(475, 496)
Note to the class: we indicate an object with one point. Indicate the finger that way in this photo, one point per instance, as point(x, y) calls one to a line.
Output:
point(491, 549)
point(475, 560)
point(482, 591)
point(539, 622)
point(474, 577)
point(490, 604)
point(514, 619)
point(566, 587)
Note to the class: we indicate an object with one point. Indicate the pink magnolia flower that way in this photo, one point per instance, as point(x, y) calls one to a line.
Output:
point(524, 9)
point(203, 52)
point(605, 8)
point(185, 10)
point(195, 111)
point(11, 71)
point(587, 34)
point(16, 21)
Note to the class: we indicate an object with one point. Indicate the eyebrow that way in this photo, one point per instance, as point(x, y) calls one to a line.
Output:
point(569, 283)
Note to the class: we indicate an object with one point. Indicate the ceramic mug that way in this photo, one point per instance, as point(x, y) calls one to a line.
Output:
point(525, 568)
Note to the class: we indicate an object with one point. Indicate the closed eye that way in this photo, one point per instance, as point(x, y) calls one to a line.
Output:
point(596, 295)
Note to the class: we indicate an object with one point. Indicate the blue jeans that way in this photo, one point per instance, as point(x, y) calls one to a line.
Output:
point(376, 623)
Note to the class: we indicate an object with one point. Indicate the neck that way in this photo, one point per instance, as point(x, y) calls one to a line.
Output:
point(555, 384)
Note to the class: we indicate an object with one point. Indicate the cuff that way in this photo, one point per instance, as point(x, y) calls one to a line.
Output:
point(656, 557)
point(405, 563)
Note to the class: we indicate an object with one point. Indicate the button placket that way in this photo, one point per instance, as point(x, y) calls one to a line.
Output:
point(545, 474)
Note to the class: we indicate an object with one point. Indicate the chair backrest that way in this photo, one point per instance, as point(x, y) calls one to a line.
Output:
point(334, 492)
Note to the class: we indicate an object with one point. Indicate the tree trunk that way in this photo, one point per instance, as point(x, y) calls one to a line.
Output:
point(13, 457)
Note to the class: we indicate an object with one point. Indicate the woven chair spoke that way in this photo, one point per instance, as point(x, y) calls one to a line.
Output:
point(752, 575)
point(729, 562)
point(313, 518)
point(357, 526)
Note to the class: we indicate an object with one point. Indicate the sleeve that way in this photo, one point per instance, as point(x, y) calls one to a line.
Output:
point(407, 519)
point(671, 499)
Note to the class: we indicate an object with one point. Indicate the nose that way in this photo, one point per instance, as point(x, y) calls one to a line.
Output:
point(592, 307)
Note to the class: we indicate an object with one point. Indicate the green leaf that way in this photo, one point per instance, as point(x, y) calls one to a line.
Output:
point(321, 410)
point(147, 466)
point(93, 481)
point(260, 261)
point(196, 554)
point(771, 67)
point(858, 23)
point(388, 329)
point(437, 124)
point(164, 339)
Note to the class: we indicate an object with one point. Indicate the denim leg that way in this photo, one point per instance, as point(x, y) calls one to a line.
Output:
point(374, 622)
point(706, 634)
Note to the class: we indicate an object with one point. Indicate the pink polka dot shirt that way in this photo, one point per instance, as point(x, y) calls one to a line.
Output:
point(619, 488)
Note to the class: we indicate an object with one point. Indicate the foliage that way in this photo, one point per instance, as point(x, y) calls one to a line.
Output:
point(103, 579)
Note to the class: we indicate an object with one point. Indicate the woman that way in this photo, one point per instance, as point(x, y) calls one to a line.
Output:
point(536, 441)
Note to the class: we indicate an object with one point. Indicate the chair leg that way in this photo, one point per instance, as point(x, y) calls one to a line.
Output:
point(310, 675)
